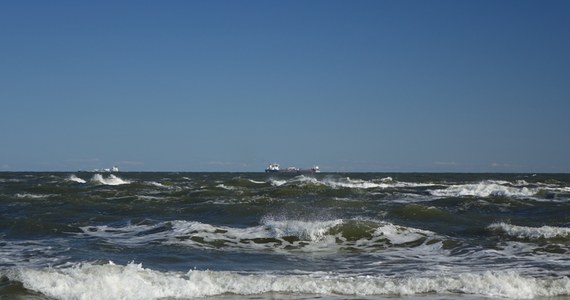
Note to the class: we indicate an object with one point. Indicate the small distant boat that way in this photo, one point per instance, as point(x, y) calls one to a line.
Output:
point(276, 168)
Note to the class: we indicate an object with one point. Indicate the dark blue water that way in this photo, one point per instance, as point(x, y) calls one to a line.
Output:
point(254, 235)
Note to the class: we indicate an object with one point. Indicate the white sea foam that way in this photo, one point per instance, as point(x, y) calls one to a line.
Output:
point(74, 178)
point(225, 187)
point(305, 230)
point(111, 180)
point(272, 234)
point(276, 182)
point(401, 234)
point(485, 189)
point(157, 184)
point(33, 196)
point(544, 232)
point(557, 189)
point(133, 281)
point(353, 183)
point(200, 235)
point(347, 182)
point(256, 182)
point(152, 198)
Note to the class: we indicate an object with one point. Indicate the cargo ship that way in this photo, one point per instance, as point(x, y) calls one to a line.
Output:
point(276, 168)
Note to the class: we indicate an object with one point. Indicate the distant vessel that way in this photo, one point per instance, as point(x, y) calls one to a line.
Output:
point(113, 169)
point(276, 168)
point(272, 168)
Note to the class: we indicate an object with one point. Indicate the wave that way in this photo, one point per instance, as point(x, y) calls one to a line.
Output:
point(302, 235)
point(111, 180)
point(532, 233)
point(133, 235)
point(157, 184)
point(347, 182)
point(383, 183)
point(133, 281)
point(304, 230)
point(272, 234)
point(31, 253)
point(486, 189)
point(225, 187)
point(33, 196)
point(256, 181)
point(74, 178)
point(276, 182)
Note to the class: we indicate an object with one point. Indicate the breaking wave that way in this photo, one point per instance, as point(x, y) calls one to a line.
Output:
point(533, 233)
point(110, 180)
point(74, 178)
point(486, 189)
point(133, 281)
point(272, 234)
point(347, 182)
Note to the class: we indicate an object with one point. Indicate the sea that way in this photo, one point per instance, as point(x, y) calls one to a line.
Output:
point(421, 236)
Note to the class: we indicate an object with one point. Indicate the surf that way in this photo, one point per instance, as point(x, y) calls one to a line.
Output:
point(133, 281)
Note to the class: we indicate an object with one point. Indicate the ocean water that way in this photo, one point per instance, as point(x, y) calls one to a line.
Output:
point(284, 236)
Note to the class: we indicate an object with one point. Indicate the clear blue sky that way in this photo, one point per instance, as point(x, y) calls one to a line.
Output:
point(466, 86)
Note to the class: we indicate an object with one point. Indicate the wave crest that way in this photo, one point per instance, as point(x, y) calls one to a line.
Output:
point(533, 233)
point(111, 180)
point(271, 234)
point(347, 182)
point(84, 281)
point(305, 230)
point(74, 178)
point(485, 189)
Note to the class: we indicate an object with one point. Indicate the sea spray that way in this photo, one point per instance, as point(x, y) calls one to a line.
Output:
point(110, 180)
point(133, 281)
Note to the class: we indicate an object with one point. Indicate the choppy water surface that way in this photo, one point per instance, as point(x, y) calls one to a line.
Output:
point(254, 235)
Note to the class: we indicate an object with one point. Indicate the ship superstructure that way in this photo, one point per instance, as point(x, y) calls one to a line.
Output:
point(276, 168)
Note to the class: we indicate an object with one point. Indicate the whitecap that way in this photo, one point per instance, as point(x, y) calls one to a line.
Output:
point(32, 196)
point(353, 183)
point(347, 182)
point(74, 178)
point(111, 180)
point(157, 184)
point(275, 234)
point(485, 189)
point(401, 234)
point(133, 281)
point(544, 232)
point(256, 182)
point(275, 182)
point(225, 187)
point(305, 230)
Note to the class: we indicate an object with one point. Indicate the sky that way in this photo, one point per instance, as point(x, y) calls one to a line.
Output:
point(351, 86)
